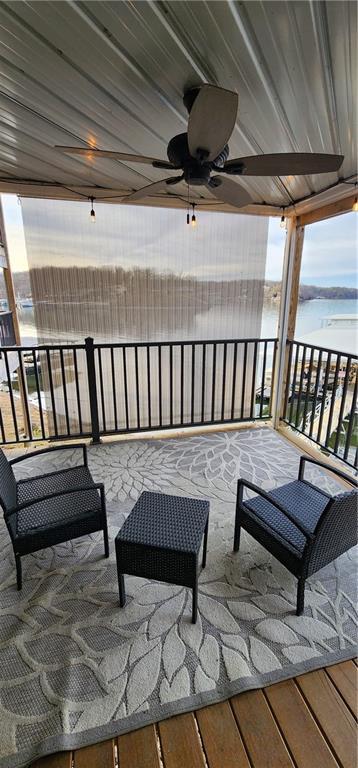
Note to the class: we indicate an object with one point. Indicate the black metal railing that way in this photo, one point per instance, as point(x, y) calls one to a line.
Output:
point(64, 391)
point(321, 398)
point(7, 333)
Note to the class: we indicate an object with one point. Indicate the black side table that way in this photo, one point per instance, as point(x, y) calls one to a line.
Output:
point(161, 540)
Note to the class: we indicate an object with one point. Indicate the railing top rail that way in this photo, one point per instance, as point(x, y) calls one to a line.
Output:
point(179, 342)
point(43, 347)
point(323, 349)
point(119, 345)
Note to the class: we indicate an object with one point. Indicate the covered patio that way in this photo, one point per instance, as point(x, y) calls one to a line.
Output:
point(83, 681)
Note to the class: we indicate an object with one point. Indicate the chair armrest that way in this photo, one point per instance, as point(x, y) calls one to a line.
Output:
point(327, 467)
point(302, 528)
point(76, 489)
point(50, 450)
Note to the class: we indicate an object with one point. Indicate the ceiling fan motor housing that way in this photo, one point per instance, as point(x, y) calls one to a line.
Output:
point(196, 170)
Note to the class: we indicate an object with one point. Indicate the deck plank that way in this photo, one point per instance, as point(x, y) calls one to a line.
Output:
point(334, 717)
point(180, 742)
point(220, 736)
point(259, 730)
point(139, 749)
point(301, 732)
point(345, 678)
point(59, 760)
point(96, 755)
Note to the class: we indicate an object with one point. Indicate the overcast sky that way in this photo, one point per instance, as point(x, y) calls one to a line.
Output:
point(329, 256)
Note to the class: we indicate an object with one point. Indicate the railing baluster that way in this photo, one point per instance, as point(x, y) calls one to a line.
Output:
point(223, 383)
point(192, 381)
point(63, 376)
point(203, 362)
point(137, 384)
point(288, 378)
point(351, 421)
point(334, 389)
point(125, 384)
point(78, 397)
point(234, 366)
point(341, 411)
point(160, 385)
point(149, 389)
point(114, 390)
point(274, 359)
point(38, 390)
point(11, 393)
point(314, 402)
point(293, 388)
point(2, 431)
point(213, 384)
point(182, 383)
point(253, 384)
point(324, 395)
point(171, 385)
point(25, 399)
point(243, 381)
point(303, 363)
point(101, 389)
point(52, 393)
point(308, 390)
point(263, 377)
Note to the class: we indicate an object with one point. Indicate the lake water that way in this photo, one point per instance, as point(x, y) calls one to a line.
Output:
point(221, 323)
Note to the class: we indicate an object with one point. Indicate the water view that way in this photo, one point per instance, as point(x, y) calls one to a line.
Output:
point(217, 322)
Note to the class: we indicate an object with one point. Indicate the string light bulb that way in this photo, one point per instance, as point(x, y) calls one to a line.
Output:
point(92, 212)
point(355, 205)
point(283, 222)
point(193, 218)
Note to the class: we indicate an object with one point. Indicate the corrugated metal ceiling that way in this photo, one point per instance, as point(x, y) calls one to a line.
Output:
point(114, 73)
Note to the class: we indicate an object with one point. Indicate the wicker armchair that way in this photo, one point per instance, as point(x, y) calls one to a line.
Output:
point(301, 525)
point(49, 509)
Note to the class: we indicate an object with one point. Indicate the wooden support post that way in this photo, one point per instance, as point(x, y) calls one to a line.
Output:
point(288, 311)
point(11, 300)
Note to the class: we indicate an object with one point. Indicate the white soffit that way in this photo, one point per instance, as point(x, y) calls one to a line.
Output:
point(114, 73)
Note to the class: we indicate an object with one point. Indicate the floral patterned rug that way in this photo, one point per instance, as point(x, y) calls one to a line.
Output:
point(75, 668)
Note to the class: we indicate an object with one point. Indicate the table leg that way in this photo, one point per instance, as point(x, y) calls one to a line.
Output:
point(195, 602)
point(122, 591)
point(205, 543)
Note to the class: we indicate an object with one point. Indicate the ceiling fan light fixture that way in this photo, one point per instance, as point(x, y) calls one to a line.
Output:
point(92, 212)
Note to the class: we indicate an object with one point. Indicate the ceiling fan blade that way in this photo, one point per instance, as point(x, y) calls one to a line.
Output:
point(92, 152)
point(284, 164)
point(211, 121)
point(229, 191)
point(151, 189)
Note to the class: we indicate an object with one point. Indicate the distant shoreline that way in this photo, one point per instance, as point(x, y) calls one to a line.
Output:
point(272, 290)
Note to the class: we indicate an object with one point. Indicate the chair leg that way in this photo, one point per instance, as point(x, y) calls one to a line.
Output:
point(105, 526)
point(105, 539)
point(237, 529)
point(237, 517)
point(300, 596)
point(18, 571)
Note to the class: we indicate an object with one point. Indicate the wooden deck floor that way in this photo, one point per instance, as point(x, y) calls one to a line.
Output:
point(306, 722)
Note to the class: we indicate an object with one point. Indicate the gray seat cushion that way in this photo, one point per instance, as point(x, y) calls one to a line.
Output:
point(301, 500)
point(59, 510)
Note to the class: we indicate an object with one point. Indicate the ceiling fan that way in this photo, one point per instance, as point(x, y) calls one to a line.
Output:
point(203, 150)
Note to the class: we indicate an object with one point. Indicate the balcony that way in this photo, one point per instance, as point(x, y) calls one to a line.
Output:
point(137, 218)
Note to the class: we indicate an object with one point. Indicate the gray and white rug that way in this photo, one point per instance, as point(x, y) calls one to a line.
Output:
point(75, 668)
